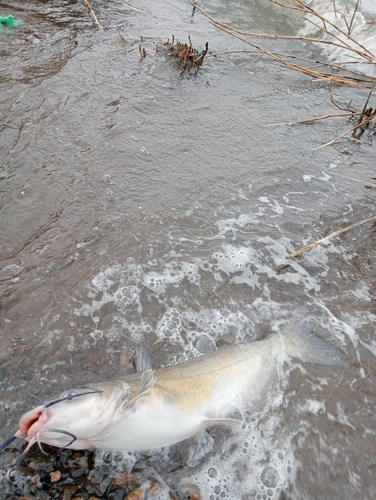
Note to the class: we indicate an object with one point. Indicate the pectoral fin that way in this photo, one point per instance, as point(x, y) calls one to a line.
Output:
point(143, 362)
point(146, 384)
point(231, 422)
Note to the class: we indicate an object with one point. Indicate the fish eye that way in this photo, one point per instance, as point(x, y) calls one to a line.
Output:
point(69, 393)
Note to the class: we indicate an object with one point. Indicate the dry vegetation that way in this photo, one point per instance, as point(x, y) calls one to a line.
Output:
point(320, 71)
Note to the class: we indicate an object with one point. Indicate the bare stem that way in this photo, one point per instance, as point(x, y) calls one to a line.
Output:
point(336, 233)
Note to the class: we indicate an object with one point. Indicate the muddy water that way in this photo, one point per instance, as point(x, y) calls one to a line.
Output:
point(141, 206)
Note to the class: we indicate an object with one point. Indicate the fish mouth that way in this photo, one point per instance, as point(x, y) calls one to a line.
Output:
point(31, 422)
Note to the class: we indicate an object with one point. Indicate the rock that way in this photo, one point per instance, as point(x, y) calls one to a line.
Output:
point(68, 491)
point(135, 495)
point(55, 476)
point(193, 492)
point(121, 480)
point(154, 489)
point(116, 495)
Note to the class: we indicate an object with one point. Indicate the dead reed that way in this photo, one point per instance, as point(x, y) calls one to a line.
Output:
point(185, 55)
point(319, 71)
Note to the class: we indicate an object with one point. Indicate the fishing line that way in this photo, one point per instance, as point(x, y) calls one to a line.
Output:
point(7, 442)
point(68, 434)
point(40, 401)
point(71, 396)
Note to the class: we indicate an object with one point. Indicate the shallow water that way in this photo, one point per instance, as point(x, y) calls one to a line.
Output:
point(141, 206)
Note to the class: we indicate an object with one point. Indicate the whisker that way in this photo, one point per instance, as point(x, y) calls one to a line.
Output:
point(40, 445)
point(24, 453)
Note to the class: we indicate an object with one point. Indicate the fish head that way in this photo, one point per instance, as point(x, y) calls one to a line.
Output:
point(74, 417)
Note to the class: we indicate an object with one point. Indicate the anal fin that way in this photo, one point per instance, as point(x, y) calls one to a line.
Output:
point(203, 446)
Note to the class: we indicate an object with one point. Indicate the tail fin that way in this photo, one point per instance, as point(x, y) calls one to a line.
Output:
point(302, 344)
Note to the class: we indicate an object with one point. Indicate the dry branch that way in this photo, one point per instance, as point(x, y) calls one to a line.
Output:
point(338, 38)
point(336, 233)
point(336, 73)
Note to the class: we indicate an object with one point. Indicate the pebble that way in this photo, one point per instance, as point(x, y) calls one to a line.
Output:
point(55, 476)
point(62, 477)
point(68, 491)
point(193, 492)
point(121, 480)
point(135, 495)
point(154, 489)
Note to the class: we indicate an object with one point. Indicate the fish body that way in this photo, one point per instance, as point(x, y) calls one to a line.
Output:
point(188, 397)
point(150, 409)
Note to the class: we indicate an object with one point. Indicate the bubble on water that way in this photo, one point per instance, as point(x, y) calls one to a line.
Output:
point(107, 179)
point(270, 477)
point(107, 457)
point(96, 334)
point(120, 305)
point(118, 456)
point(212, 472)
point(205, 344)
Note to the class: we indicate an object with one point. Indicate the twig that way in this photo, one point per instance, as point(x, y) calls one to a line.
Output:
point(122, 38)
point(309, 120)
point(200, 58)
point(91, 10)
point(366, 103)
point(352, 19)
point(333, 101)
point(335, 8)
point(364, 123)
point(368, 184)
point(346, 80)
point(335, 140)
point(133, 8)
point(367, 54)
point(336, 233)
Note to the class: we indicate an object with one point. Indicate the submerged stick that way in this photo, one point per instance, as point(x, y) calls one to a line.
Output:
point(366, 103)
point(364, 123)
point(336, 233)
point(367, 184)
point(91, 10)
point(131, 7)
point(310, 120)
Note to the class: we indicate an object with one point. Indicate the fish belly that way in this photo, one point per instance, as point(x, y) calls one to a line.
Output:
point(150, 426)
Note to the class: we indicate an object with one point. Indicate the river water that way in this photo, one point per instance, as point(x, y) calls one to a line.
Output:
point(142, 206)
